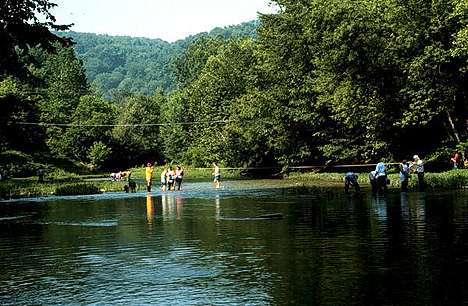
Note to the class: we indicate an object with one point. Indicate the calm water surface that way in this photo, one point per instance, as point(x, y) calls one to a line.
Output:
point(204, 247)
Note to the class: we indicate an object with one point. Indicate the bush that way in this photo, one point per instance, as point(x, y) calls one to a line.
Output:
point(17, 164)
point(98, 154)
point(77, 189)
point(448, 180)
point(60, 175)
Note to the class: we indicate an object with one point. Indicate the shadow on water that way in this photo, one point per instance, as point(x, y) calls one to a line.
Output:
point(204, 246)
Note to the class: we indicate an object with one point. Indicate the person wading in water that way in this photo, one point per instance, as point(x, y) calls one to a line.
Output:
point(149, 176)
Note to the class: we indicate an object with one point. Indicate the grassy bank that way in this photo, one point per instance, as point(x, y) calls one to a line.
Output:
point(190, 173)
point(29, 187)
point(63, 183)
point(74, 184)
point(450, 180)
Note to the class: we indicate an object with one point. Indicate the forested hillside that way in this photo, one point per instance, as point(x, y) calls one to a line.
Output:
point(322, 82)
point(138, 65)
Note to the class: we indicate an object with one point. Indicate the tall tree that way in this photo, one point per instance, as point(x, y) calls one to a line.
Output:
point(21, 29)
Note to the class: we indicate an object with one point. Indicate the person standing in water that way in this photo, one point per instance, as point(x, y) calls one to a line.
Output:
point(149, 176)
point(404, 175)
point(418, 165)
point(164, 179)
point(381, 177)
point(373, 181)
point(179, 175)
point(170, 179)
point(216, 175)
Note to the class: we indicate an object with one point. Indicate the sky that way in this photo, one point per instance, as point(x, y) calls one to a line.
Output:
point(169, 20)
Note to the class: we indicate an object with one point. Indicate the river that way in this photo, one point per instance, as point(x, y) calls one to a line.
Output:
point(202, 246)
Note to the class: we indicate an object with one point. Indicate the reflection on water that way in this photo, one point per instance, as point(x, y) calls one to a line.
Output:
point(401, 249)
point(172, 206)
point(149, 209)
point(218, 207)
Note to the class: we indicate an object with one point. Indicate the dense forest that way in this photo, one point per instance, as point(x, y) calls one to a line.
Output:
point(120, 64)
point(320, 82)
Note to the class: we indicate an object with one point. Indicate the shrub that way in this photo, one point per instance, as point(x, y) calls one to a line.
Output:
point(60, 175)
point(98, 154)
point(77, 189)
point(17, 164)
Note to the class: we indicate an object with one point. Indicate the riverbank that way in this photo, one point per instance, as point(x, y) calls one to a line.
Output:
point(449, 180)
point(300, 182)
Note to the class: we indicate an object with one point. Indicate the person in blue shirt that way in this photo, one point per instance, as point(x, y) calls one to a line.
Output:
point(381, 177)
point(404, 175)
point(351, 179)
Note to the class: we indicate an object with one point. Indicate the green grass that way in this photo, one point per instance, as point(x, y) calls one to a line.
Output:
point(190, 173)
point(77, 189)
point(72, 184)
point(449, 180)
point(28, 187)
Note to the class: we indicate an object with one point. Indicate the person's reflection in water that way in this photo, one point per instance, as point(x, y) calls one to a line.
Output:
point(218, 208)
point(168, 206)
point(149, 209)
point(179, 207)
point(405, 213)
point(379, 204)
point(164, 205)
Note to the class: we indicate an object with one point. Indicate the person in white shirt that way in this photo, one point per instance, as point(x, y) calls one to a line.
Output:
point(418, 166)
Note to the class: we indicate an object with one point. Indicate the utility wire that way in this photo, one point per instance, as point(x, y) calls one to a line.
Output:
point(121, 125)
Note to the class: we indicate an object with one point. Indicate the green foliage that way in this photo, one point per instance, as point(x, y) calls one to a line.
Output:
point(18, 102)
point(98, 154)
point(25, 23)
point(173, 134)
point(321, 82)
point(90, 122)
point(141, 142)
point(140, 66)
point(77, 189)
point(17, 164)
point(449, 180)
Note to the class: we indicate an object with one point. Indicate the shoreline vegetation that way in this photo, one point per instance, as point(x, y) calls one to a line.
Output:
point(304, 183)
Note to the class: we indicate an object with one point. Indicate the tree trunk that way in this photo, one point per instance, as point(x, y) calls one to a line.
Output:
point(452, 125)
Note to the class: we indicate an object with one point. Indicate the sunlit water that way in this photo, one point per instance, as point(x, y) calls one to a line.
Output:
point(203, 246)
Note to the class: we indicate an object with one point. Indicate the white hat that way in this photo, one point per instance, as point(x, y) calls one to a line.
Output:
point(415, 157)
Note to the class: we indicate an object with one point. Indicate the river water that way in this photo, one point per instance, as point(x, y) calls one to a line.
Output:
point(202, 246)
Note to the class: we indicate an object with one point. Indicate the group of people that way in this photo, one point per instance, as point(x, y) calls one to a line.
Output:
point(120, 176)
point(171, 178)
point(379, 180)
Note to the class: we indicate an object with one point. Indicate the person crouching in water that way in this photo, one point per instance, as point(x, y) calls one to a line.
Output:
point(351, 178)
point(404, 175)
point(164, 179)
point(373, 181)
point(179, 175)
point(149, 176)
point(170, 179)
point(381, 176)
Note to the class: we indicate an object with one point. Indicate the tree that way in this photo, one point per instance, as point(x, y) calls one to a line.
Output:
point(21, 29)
point(136, 135)
point(18, 102)
point(99, 154)
point(91, 123)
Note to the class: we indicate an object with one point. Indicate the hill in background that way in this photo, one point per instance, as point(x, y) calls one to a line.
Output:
point(139, 65)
